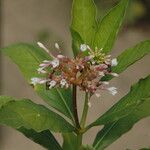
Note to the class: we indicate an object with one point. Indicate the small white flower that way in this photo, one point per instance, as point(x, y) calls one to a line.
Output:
point(93, 62)
point(52, 84)
point(63, 82)
point(44, 81)
point(82, 66)
point(35, 81)
point(57, 46)
point(42, 46)
point(107, 61)
point(101, 73)
point(89, 104)
point(55, 63)
point(43, 65)
point(46, 61)
point(67, 85)
point(83, 47)
point(114, 74)
point(112, 90)
point(114, 62)
point(60, 56)
point(41, 70)
point(108, 56)
point(106, 83)
point(77, 67)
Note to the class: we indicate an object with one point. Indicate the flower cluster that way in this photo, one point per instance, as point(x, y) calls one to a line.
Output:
point(84, 71)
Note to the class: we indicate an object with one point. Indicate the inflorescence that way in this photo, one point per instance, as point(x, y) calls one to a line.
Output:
point(84, 71)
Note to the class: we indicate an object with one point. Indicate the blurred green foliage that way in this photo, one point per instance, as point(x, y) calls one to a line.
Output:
point(136, 10)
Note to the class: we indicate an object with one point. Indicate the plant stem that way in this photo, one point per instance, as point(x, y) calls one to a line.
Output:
point(88, 127)
point(85, 111)
point(79, 141)
point(75, 111)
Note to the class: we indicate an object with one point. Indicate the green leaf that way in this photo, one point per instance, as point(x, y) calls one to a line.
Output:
point(138, 94)
point(69, 141)
point(44, 138)
point(123, 115)
point(25, 113)
point(4, 100)
point(28, 58)
point(130, 56)
point(87, 147)
point(60, 99)
point(112, 131)
point(87, 30)
point(84, 19)
point(76, 41)
point(109, 27)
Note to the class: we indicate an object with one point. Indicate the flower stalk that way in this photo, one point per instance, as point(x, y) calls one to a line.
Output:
point(85, 111)
point(79, 141)
point(75, 111)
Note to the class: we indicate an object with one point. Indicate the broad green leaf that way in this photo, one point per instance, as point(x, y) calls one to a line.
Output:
point(60, 99)
point(145, 149)
point(123, 115)
point(109, 27)
point(69, 141)
point(130, 56)
point(28, 58)
point(44, 138)
point(84, 19)
point(138, 94)
point(25, 113)
point(112, 131)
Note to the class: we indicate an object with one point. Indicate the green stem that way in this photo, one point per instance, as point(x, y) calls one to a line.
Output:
point(85, 111)
point(75, 111)
point(88, 127)
point(79, 141)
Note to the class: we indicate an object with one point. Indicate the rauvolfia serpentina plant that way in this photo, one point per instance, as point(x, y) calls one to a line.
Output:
point(56, 78)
